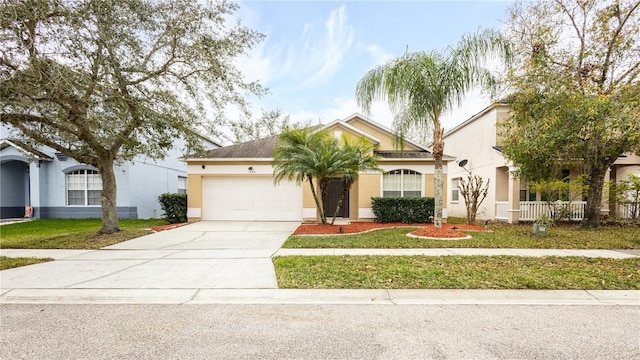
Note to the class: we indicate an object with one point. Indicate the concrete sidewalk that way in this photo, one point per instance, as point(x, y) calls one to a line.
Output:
point(227, 253)
point(612, 254)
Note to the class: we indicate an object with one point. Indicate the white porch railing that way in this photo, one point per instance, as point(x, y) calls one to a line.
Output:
point(501, 210)
point(530, 210)
point(626, 211)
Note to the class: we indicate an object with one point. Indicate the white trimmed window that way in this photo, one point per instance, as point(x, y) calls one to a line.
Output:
point(182, 185)
point(455, 190)
point(84, 188)
point(402, 183)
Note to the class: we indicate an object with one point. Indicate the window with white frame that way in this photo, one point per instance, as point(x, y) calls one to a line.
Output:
point(84, 188)
point(182, 185)
point(455, 190)
point(402, 183)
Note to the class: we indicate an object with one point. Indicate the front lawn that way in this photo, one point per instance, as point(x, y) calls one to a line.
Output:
point(69, 233)
point(502, 236)
point(456, 272)
point(9, 263)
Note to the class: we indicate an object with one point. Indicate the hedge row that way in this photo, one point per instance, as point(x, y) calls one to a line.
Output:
point(405, 210)
point(174, 207)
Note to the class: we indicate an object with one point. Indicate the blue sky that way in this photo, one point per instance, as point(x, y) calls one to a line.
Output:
point(316, 52)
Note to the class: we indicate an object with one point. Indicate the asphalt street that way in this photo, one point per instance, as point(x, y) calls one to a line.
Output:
point(47, 331)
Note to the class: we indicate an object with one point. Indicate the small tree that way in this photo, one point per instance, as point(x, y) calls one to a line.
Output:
point(474, 193)
point(627, 194)
point(560, 194)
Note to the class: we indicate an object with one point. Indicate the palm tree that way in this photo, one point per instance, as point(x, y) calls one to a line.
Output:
point(294, 158)
point(420, 87)
point(306, 155)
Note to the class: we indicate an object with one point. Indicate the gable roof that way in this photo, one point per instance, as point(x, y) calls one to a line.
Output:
point(263, 148)
point(477, 116)
point(24, 148)
point(260, 148)
point(353, 129)
point(358, 116)
point(407, 154)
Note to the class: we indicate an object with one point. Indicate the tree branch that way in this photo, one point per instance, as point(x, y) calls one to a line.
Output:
point(575, 26)
point(622, 23)
point(44, 138)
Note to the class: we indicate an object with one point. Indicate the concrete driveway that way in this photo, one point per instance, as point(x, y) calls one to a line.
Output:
point(204, 255)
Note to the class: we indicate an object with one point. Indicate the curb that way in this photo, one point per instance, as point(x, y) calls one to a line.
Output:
point(396, 297)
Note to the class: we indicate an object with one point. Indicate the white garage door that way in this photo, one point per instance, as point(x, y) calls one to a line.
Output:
point(250, 198)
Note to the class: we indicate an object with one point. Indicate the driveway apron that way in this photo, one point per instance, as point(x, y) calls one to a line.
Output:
point(203, 255)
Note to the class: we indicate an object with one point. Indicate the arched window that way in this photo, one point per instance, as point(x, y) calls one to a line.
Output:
point(84, 187)
point(402, 183)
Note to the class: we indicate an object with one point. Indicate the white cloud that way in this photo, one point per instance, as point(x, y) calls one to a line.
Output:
point(471, 104)
point(378, 54)
point(338, 39)
point(308, 60)
point(255, 66)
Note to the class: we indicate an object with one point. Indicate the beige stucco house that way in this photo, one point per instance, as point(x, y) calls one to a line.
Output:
point(236, 182)
point(477, 141)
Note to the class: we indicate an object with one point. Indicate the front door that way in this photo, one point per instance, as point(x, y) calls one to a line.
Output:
point(336, 188)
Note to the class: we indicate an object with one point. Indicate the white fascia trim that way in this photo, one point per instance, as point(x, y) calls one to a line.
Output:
point(352, 129)
point(19, 148)
point(383, 128)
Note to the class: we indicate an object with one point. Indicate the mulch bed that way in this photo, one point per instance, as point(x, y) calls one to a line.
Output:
point(166, 227)
point(447, 231)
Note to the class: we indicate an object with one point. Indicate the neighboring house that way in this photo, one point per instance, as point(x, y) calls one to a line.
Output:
point(236, 182)
point(56, 186)
point(477, 141)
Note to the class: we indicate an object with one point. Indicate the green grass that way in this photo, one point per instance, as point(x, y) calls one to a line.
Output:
point(69, 233)
point(456, 272)
point(9, 263)
point(503, 236)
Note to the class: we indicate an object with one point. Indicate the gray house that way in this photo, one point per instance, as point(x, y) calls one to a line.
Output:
point(56, 186)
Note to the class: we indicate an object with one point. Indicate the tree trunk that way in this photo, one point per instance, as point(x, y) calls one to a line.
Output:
point(315, 198)
point(594, 197)
point(108, 198)
point(438, 184)
point(345, 188)
point(324, 192)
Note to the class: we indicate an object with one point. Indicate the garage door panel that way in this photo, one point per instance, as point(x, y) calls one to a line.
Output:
point(250, 198)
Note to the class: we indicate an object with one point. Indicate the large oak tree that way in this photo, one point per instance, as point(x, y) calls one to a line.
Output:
point(105, 80)
point(576, 89)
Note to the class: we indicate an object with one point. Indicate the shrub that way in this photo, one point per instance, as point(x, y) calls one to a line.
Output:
point(174, 207)
point(406, 210)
